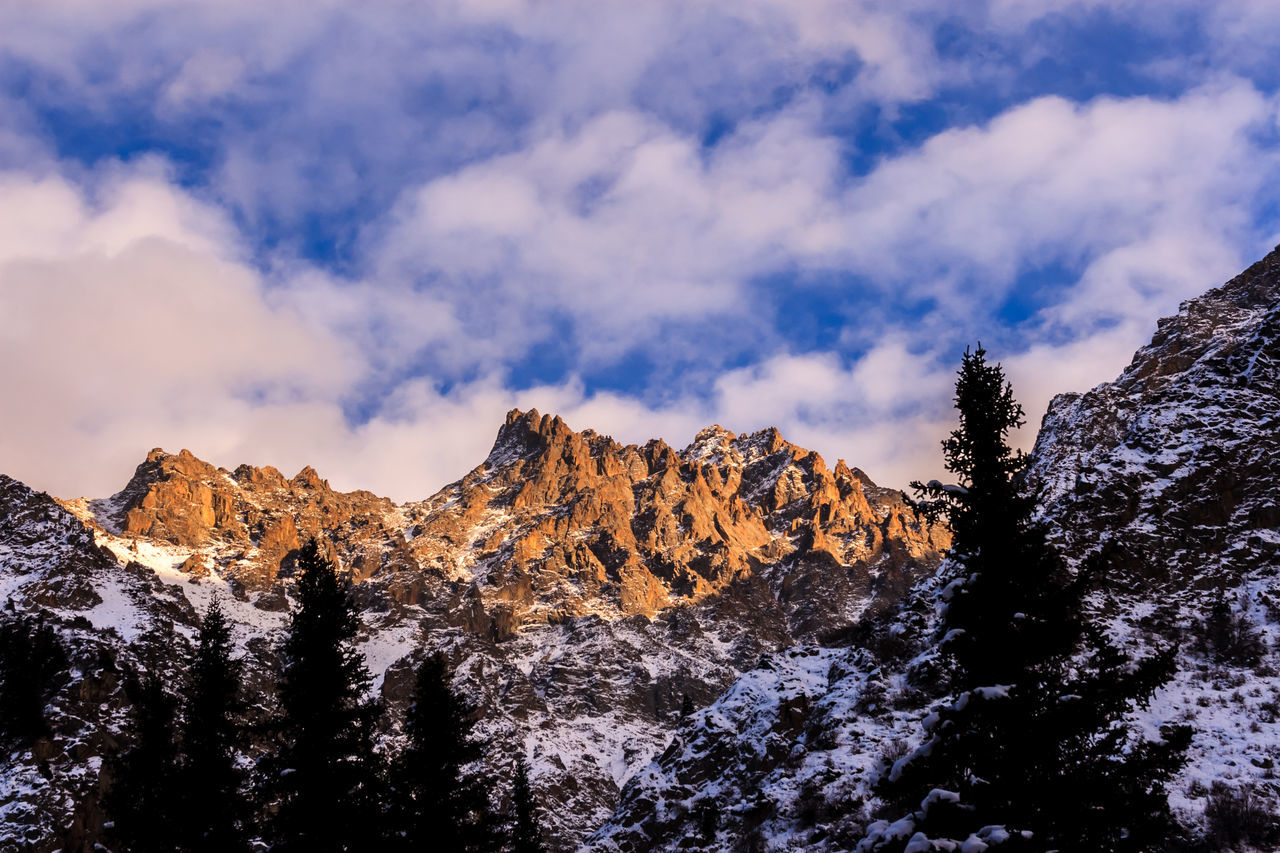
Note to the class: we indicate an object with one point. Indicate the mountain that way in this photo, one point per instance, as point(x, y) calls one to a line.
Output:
point(581, 588)
point(1171, 472)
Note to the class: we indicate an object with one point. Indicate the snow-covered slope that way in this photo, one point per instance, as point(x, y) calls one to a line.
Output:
point(581, 588)
point(1174, 470)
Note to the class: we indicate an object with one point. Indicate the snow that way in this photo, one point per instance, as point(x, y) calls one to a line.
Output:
point(117, 612)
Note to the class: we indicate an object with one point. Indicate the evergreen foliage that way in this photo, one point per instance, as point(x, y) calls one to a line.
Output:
point(322, 783)
point(437, 803)
point(144, 804)
point(211, 783)
point(1035, 741)
point(686, 706)
point(1230, 636)
point(525, 828)
point(33, 663)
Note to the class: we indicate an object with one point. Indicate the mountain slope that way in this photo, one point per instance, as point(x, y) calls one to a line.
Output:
point(1172, 471)
point(581, 588)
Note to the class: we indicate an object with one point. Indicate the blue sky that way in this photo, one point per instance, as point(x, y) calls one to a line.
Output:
point(354, 234)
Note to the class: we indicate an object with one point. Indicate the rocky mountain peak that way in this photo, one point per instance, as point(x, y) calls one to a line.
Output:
point(1177, 457)
point(244, 524)
point(586, 586)
point(309, 478)
point(557, 524)
point(1208, 325)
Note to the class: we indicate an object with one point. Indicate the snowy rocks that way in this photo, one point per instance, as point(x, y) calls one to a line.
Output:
point(1170, 472)
point(1177, 459)
point(582, 588)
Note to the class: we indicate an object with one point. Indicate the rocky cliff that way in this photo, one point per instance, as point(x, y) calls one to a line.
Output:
point(1171, 470)
point(582, 589)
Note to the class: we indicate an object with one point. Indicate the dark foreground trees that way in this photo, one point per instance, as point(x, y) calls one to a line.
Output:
point(215, 814)
point(321, 787)
point(322, 783)
point(33, 663)
point(523, 825)
point(143, 805)
point(1034, 752)
point(437, 803)
point(177, 788)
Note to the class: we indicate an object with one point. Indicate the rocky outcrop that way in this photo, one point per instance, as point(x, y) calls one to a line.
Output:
point(582, 588)
point(1171, 473)
point(246, 524)
point(558, 524)
point(1177, 460)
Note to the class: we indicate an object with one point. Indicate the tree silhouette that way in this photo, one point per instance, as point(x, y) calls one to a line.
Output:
point(437, 803)
point(525, 828)
point(143, 804)
point(1035, 744)
point(322, 781)
point(33, 663)
point(214, 813)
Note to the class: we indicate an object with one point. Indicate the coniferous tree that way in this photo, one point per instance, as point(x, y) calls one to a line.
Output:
point(322, 783)
point(437, 803)
point(1035, 740)
point(1229, 636)
point(143, 804)
point(211, 783)
point(525, 828)
point(33, 663)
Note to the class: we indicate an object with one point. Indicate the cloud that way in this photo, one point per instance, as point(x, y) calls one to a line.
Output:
point(622, 226)
point(366, 225)
point(128, 318)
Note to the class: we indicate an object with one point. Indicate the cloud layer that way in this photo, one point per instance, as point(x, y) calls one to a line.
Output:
point(353, 236)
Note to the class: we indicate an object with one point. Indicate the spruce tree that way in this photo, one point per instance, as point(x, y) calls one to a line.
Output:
point(524, 826)
point(322, 782)
point(33, 663)
point(1035, 740)
point(211, 785)
point(438, 804)
point(143, 804)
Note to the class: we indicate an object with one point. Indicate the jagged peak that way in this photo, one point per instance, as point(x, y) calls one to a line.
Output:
point(1204, 325)
point(309, 478)
point(710, 444)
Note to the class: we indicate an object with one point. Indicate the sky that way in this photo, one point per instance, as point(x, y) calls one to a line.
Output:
point(354, 234)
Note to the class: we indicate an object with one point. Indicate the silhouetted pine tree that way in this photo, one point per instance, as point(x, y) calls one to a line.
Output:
point(1230, 636)
point(143, 805)
point(1036, 739)
point(524, 826)
point(686, 706)
point(33, 663)
point(322, 783)
point(437, 804)
point(214, 813)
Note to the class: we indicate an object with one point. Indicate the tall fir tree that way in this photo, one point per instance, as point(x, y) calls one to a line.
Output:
point(523, 825)
point(437, 803)
point(322, 783)
point(33, 663)
point(1036, 739)
point(144, 804)
point(215, 814)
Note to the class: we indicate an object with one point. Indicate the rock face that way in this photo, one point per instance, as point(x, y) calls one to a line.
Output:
point(557, 524)
point(248, 521)
point(581, 588)
point(1172, 470)
point(1179, 458)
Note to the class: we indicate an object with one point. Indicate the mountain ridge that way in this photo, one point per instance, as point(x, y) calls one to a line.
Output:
point(1170, 471)
point(581, 588)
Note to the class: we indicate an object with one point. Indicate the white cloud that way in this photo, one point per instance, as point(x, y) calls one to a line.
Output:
point(567, 197)
point(128, 319)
